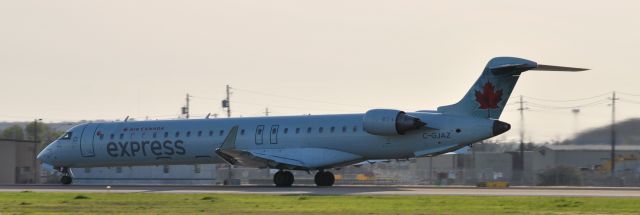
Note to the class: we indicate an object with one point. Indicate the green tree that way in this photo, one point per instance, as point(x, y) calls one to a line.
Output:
point(42, 131)
point(46, 135)
point(13, 132)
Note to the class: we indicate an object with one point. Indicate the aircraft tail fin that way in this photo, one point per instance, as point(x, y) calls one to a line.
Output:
point(490, 93)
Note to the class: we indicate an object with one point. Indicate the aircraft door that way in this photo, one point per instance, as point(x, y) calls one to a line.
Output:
point(259, 134)
point(274, 134)
point(87, 138)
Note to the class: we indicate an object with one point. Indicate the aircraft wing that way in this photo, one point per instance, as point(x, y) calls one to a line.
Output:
point(437, 151)
point(371, 162)
point(285, 158)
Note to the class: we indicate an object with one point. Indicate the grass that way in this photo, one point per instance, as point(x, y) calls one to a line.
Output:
point(149, 203)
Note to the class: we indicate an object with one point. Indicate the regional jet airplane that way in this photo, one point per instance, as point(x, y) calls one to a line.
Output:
point(308, 143)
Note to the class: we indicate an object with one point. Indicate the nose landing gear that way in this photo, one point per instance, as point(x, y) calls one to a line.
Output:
point(324, 178)
point(66, 175)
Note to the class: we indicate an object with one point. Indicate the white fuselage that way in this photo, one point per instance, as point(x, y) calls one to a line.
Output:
point(194, 141)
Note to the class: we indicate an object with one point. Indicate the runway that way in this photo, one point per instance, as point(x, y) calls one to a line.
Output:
point(339, 190)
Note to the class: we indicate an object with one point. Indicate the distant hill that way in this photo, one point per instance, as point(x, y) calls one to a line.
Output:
point(628, 133)
point(58, 126)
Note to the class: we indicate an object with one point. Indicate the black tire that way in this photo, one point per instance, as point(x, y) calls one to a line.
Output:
point(318, 179)
point(283, 179)
point(330, 179)
point(290, 178)
point(324, 179)
point(66, 180)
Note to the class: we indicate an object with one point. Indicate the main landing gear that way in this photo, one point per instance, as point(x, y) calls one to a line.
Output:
point(283, 179)
point(324, 179)
point(66, 176)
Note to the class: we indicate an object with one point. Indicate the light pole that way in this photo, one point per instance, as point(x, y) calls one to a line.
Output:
point(36, 142)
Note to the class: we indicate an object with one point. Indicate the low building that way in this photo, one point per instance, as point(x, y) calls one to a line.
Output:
point(18, 163)
point(589, 157)
point(161, 174)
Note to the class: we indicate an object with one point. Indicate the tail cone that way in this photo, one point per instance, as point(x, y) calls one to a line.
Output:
point(500, 127)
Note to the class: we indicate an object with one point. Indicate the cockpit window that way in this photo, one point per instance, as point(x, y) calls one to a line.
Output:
point(66, 136)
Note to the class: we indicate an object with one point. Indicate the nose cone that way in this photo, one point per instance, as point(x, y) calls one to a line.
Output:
point(42, 155)
point(500, 127)
point(45, 155)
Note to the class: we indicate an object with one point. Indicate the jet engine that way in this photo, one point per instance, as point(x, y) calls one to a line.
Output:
point(388, 122)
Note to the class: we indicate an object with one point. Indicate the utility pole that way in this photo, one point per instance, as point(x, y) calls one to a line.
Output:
point(36, 142)
point(185, 109)
point(266, 112)
point(430, 170)
point(226, 103)
point(613, 134)
point(521, 163)
point(575, 112)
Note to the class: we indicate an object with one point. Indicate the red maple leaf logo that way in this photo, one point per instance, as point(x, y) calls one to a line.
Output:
point(488, 98)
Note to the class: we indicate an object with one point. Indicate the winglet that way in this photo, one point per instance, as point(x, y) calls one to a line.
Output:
point(230, 140)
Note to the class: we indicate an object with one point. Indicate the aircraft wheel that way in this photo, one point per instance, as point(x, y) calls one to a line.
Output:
point(283, 179)
point(66, 179)
point(324, 179)
point(290, 178)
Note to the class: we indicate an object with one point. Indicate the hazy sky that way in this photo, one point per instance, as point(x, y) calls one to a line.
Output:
point(73, 60)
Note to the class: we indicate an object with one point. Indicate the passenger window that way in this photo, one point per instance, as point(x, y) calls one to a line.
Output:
point(344, 129)
point(188, 133)
point(274, 130)
point(111, 136)
point(121, 136)
point(242, 132)
point(286, 130)
point(297, 130)
point(210, 133)
point(166, 134)
point(309, 130)
point(66, 136)
point(155, 134)
point(221, 132)
point(333, 129)
point(177, 133)
point(199, 133)
point(320, 129)
point(355, 128)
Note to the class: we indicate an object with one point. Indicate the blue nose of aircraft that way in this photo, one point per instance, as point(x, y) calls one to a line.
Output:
point(44, 155)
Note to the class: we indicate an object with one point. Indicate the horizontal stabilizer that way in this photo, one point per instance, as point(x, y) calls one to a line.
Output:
point(490, 93)
point(543, 67)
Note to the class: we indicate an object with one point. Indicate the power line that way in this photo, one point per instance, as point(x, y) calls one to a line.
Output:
point(296, 98)
point(290, 107)
point(629, 101)
point(271, 105)
point(545, 106)
point(628, 94)
point(568, 100)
